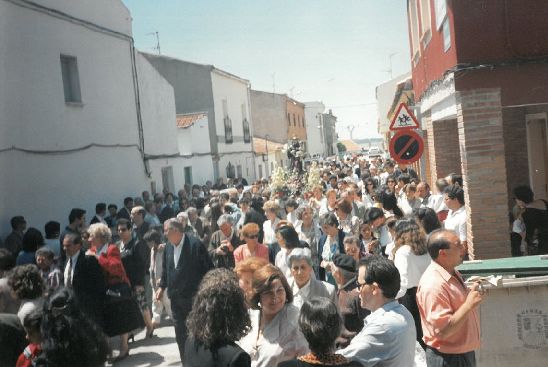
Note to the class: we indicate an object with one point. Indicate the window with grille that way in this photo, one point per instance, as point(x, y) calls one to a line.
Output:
point(227, 123)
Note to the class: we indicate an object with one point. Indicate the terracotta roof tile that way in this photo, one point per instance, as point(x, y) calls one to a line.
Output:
point(187, 120)
point(350, 145)
point(260, 145)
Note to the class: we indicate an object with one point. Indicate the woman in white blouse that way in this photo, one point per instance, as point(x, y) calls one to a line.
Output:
point(275, 335)
point(271, 209)
point(411, 258)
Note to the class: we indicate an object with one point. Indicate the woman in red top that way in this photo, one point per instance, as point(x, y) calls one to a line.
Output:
point(122, 314)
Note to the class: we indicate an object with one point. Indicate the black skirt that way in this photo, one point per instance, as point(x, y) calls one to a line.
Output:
point(409, 300)
point(122, 313)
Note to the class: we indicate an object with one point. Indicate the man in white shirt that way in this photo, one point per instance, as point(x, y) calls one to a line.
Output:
point(456, 218)
point(388, 170)
point(388, 335)
point(428, 200)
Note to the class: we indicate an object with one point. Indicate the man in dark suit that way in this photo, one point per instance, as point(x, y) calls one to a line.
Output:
point(100, 213)
point(125, 212)
point(185, 263)
point(83, 274)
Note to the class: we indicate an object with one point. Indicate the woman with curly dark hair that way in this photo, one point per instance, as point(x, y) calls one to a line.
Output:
point(218, 318)
point(69, 338)
point(411, 258)
point(28, 286)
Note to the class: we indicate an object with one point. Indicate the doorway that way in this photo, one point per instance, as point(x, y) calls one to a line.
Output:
point(537, 150)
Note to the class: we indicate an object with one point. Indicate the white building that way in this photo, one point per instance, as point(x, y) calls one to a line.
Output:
point(385, 98)
point(194, 147)
point(315, 136)
point(224, 97)
point(80, 110)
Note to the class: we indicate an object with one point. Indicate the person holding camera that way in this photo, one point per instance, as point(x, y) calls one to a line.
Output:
point(223, 243)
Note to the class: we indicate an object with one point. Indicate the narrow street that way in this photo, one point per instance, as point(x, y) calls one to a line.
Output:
point(161, 350)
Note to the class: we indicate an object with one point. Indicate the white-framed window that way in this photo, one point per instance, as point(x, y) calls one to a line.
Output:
point(440, 7)
point(446, 31)
point(71, 80)
point(414, 25)
point(426, 22)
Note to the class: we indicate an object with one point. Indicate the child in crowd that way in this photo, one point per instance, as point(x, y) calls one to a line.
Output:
point(368, 243)
point(31, 324)
point(517, 237)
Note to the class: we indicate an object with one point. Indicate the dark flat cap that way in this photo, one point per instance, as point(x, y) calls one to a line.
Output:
point(345, 262)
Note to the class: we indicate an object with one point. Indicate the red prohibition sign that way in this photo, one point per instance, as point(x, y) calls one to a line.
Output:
point(406, 146)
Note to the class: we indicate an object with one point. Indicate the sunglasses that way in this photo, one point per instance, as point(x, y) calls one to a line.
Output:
point(252, 236)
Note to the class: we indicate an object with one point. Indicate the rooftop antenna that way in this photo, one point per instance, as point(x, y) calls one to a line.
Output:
point(157, 34)
point(350, 129)
point(273, 75)
point(389, 70)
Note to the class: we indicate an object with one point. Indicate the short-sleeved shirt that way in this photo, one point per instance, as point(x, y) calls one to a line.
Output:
point(456, 221)
point(439, 296)
point(387, 338)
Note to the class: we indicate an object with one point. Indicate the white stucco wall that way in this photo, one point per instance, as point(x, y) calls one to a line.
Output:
point(195, 140)
point(314, 135)
point(235, 91)
point(34, 115)
point(385, 96)
point(159, 124)
point(112, 14)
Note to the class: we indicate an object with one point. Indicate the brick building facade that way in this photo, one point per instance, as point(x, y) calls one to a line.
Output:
point(480, 77)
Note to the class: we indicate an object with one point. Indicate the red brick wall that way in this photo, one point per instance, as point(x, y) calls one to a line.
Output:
point(426, 175)
point(443, 148)
point(479, 115)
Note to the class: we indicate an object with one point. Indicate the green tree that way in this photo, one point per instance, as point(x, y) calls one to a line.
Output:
point(341, 147)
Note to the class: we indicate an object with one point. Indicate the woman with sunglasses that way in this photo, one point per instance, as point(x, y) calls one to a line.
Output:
point(251, 247)
point(370, 186)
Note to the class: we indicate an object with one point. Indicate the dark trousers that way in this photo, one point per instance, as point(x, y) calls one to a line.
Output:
point(515, 242)
point(180, 308)
point(437, 359)
point(409, 300)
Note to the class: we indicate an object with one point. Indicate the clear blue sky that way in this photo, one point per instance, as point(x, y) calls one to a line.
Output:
point(334, 51)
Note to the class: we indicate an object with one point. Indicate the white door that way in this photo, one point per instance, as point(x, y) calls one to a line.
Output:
point(537, 148)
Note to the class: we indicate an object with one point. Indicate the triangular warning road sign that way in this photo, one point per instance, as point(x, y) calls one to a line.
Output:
point(404, 119)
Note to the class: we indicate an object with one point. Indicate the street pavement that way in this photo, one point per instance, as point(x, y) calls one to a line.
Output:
point(160, 350)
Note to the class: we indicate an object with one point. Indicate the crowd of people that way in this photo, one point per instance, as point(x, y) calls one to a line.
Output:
point(358, 268)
